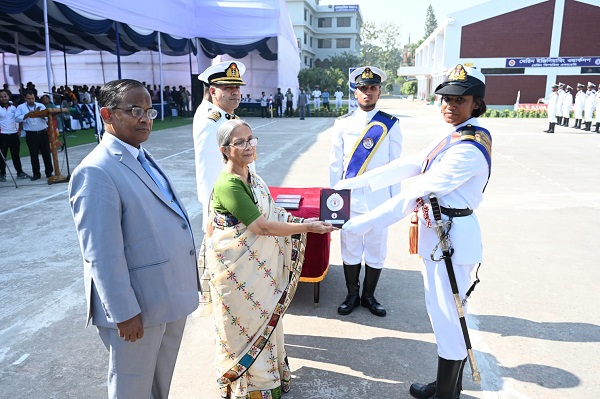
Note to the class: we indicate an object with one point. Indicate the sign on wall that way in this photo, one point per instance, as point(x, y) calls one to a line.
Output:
point(552, 62)
point(347, 8)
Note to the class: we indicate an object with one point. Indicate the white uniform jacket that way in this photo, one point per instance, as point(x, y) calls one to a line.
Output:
point(590, 103)
point(579, 104)
point(457, 177)
point(559, 106)
point(567, 105)
point(345, 132)
point(552, 105)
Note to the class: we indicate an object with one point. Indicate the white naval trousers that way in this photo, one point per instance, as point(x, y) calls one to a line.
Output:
point(442, 309)
point(373, 245)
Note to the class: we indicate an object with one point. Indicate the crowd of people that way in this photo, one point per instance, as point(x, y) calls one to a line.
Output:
point(144, 276)
point(585, 105)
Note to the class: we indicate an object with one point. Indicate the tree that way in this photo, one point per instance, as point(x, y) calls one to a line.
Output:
point(326, 78)
point(430, 22)
point(380, 47)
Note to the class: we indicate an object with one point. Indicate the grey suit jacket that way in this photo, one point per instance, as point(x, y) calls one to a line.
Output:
point(138, 252)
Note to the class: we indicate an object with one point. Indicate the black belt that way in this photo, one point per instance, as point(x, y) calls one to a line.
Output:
point(456, 213)
point(37, 132)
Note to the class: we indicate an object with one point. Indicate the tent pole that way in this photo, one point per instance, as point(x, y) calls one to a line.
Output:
point(190, 60)
point(46, 32)
point(65, 60)
point(118, 50)
point(18, 62)
point(162, 104)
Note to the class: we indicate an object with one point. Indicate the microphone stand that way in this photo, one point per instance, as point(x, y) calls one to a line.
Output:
point(64, 136)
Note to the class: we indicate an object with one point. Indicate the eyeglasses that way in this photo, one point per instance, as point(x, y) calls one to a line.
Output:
point(137, 112)
point(242, 144)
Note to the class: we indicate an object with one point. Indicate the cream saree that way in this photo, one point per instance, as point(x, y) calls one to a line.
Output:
point(252, 281)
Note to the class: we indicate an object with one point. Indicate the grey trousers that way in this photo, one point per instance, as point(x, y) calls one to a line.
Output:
point(142, 369)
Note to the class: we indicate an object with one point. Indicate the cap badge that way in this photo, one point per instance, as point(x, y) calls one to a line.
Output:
point(367, 74)
point(232, 71)
point(458, 74)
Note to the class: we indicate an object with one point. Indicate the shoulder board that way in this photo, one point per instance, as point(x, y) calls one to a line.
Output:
point(345, 115)
point(389, 116)
point(215, 116)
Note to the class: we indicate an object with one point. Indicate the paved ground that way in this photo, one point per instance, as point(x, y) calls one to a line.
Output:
point(534, 324)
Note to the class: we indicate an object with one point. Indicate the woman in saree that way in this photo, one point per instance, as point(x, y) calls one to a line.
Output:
point(254, 255)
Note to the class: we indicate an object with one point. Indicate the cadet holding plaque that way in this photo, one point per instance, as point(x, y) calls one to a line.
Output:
point(362, 140)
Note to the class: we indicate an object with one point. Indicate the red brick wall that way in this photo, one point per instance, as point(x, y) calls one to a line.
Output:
point(522, 33)
point(580, 30)
point(503, 89)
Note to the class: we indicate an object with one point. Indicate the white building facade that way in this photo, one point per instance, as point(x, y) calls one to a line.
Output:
point(324, 30)
point(521, 46)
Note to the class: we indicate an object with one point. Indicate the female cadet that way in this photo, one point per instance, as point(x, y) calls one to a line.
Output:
point(456, 169)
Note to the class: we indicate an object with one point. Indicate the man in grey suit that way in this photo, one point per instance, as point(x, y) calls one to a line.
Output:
point(140, 272)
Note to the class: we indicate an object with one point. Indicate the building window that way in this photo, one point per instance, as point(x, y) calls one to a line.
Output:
point(590, 70)
point(310, 20)
point(325, 22)
point(503, 71)
point(305, 38)
point(311, 63)
point(305, 14)
point(324, 43)
point(343, 22)
point(311, 42)
point(342, 43)
point(299, 42)
point(305, 60)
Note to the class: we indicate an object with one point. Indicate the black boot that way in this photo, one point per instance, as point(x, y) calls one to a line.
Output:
point(447, 378)
point(566, 122)
point(422, 391)
point(549, 128)
point(368, 296)
point(588, 126)
point(351, 274)
point(576, 126)
point(597, 127)
point(559, 120)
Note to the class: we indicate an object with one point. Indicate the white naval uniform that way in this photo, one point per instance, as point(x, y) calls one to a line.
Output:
point(567, 105)
point(590, 103)
point(579, 104)
point(317, 96)
point(561, 97)
point(552, 105)
point(457, 177)
point(209, 160)
point(338, 99)
point(597, 107)
point(345, 132)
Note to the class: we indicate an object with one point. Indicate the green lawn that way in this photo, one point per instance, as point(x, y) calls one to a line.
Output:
point(87, 136)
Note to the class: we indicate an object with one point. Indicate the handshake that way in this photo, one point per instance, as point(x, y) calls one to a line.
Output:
point(357, 224)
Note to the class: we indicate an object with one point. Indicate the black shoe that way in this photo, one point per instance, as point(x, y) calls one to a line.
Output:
point(352, 301)
point(35, 177)
point(373, 306)
point(423, 391)
point(22, 175)
point(2, 178)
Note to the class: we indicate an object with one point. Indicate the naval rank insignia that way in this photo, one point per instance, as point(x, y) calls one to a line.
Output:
point(368, 143)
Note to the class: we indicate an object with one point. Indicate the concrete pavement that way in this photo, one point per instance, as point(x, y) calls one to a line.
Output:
point(534, 323)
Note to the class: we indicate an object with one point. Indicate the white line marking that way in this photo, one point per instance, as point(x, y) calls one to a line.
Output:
point(21, 359)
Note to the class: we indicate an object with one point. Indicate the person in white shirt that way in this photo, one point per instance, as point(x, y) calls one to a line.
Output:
point(590, 104)
point(567, 105)
point(338, 98)
point(317, 97)
point(10, 132)
point(579, 105)
point(36, 130)
point(552, 106)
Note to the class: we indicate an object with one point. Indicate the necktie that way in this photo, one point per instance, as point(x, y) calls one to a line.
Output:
point(163, 185)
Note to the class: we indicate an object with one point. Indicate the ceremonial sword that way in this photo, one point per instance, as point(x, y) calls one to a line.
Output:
point(447, 256)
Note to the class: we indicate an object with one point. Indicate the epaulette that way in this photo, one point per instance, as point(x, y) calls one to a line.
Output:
point(389, 116)
point(215, 116)
point(346, 115)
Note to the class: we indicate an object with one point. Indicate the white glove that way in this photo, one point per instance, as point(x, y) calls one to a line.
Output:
point(358, 225)
point(354, 182)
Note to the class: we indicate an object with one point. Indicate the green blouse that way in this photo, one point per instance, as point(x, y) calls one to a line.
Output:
point(231, 196)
